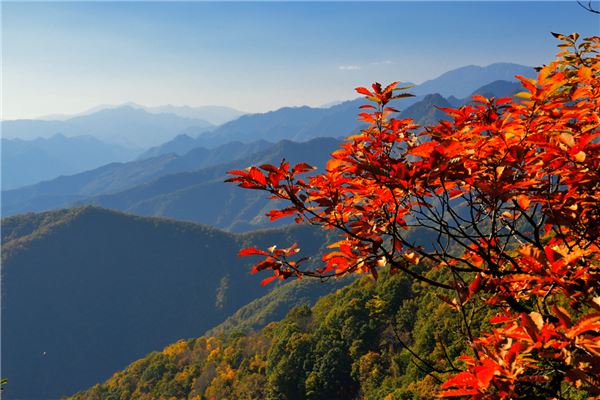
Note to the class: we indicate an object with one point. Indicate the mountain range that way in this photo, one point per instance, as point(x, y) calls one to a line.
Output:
point(25, 162)
point(165, 186)
point(116, 177)
point(304, 123)
point(179, 129)
point(125, 125)
point(216, 115)
point(174, 178)
point(201, 196)
point(462, 82)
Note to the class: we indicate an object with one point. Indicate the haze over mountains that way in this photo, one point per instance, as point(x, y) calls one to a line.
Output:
point(178, 129)
point(169, 186)
point(88, 290)
point(216, 115)
point(25, 162)
point(170, 179)
point(125, 125)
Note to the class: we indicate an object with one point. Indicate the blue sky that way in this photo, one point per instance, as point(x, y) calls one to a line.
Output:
point(67, 57)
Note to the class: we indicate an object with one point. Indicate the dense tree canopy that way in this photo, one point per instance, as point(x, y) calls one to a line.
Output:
point(505, 197)
point(350, 345)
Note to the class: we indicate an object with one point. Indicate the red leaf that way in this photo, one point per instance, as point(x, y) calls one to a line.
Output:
point(486, 372)
point(258, 176)
point(269, 168)
point(238, 172)
point(390, 87)
point(363, 90)
point(269, 263)
point(475, 285)
point(249, 251)
point(302, 167)
point(276, 214)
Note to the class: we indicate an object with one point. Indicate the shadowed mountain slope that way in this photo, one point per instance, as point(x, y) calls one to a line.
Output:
point(87, 290)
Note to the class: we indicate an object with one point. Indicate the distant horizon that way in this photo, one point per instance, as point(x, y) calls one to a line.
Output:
point(133, 103)
point(66, 58)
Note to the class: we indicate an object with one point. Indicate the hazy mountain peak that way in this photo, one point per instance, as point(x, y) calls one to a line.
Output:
point(426, 111)
point(461, 82)
point(499, 88)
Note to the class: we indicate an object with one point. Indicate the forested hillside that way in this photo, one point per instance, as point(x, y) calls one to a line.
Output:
point(350, 345)
point(86, 291)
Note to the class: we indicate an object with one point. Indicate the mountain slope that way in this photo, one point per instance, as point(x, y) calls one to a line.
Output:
point(86, 291)
point(201, 196)
point(179, 145)
point(25, 162)
point(183, 144)
point(462, 82)
point(499, 89)
point(115, 177)
point(425, 112)
point(276, 304)
point(272, 126)
point(351, 345)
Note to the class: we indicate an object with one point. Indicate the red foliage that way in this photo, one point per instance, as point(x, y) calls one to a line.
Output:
point(510, 192)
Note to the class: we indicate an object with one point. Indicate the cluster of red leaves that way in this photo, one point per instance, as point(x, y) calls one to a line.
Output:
point(509, 190)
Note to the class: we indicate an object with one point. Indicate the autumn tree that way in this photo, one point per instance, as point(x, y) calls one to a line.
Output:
point(499, 207)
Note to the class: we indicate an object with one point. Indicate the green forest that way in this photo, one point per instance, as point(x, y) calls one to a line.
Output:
point(351, 345)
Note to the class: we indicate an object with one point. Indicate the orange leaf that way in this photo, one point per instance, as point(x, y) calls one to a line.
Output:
point(334, 164)
point(424, 150)
point(363, 90)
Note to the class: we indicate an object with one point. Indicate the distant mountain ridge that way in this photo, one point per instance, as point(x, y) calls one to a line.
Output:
point(216, 115)
point(133, 124)
point(114, 177)
point(124, 125)
point(462, 82)
point(143, 187)
point(426, 111)
point(304, 123)
point(25, 162)
point(202, 196)
point(184, 143)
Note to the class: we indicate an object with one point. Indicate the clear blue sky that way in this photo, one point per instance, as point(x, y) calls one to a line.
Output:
point(68, 57)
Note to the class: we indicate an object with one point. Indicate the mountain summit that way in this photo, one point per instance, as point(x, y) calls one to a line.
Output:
point(461, 82)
